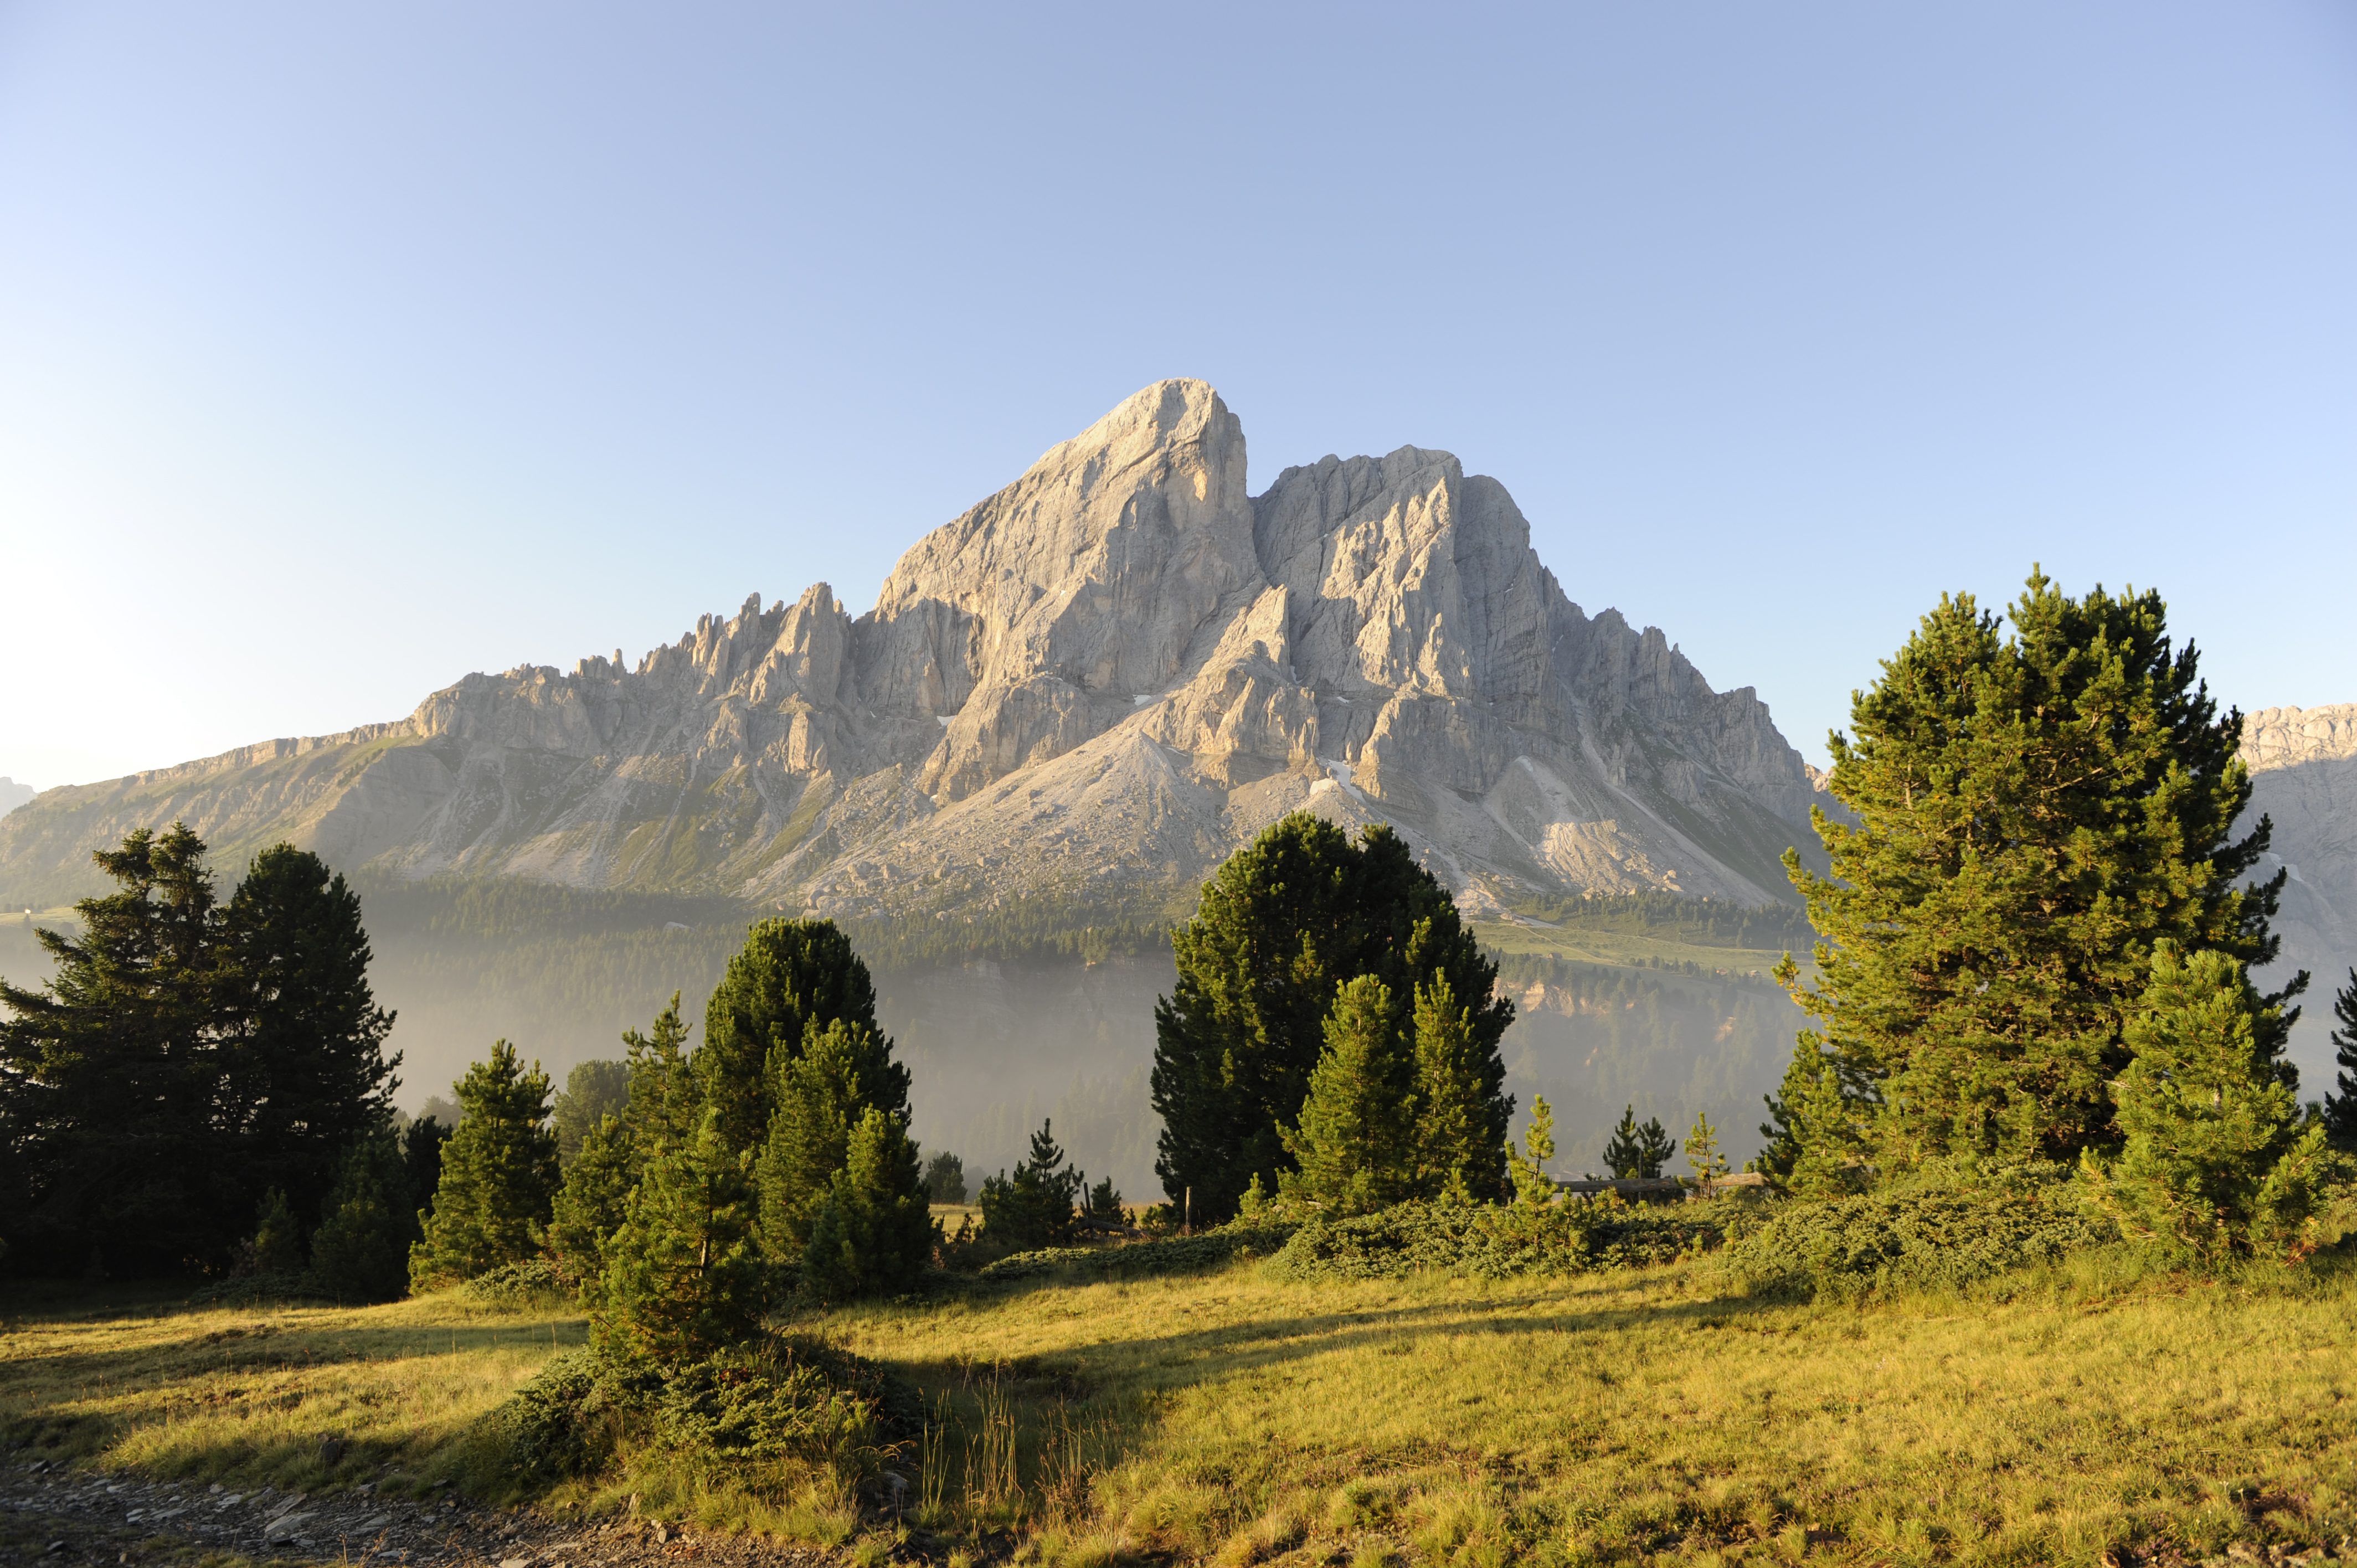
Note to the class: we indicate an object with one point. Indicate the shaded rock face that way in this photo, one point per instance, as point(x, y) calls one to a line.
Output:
point(1094, 684)
point(2303, 764)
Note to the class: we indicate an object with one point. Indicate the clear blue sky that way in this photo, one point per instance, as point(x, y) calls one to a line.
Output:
point(346, 348)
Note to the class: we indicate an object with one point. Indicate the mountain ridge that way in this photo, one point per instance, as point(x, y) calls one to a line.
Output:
point(1092, 684)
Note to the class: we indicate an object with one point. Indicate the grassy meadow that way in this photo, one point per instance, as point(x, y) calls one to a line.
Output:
point(1633, 1416)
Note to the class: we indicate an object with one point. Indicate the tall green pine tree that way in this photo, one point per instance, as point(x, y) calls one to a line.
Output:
point(1460, 1126)
point(360, 1251)
point(2034, 814)
point(592, 1202)
point(789, 983)
point(305, 1076)
point(1354, 1149)
point(872, 1233)
point(499, 1175)
point(821, 1094)
point(685, 1275)
point(110, 1078)
point(1035, 1206)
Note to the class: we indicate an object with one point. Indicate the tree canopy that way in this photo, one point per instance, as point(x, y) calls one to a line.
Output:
point(2035, 811)
point(187, 1059)
point(1280, 927)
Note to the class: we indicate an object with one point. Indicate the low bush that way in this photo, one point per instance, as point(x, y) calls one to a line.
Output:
point(765, 1414)
point(1140, 1260)
point(1922, 1238)
point(1486, 1241)
point(534, 1281)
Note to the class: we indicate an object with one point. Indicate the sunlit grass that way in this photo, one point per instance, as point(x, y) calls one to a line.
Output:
point(1621, 1418)
point(1617, 1418)
point(247, 1395)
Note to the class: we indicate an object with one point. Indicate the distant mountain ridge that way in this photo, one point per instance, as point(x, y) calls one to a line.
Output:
point(12, 794)
point(1093, 685)
point(2303, 764)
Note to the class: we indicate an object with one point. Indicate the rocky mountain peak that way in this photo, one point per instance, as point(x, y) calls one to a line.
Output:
point(1094, 683)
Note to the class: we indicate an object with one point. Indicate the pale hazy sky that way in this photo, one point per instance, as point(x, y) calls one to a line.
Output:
point(346, 348)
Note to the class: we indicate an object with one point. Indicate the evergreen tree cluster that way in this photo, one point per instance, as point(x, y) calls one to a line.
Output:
point(1640, 1150)
point(775, 1158)
point(2035, 936)
point(1333, 1034)
point(1039, 1205)
point(195, 1066)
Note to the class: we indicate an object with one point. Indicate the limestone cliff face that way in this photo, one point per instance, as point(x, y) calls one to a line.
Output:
point(2303, 764)
point(1095, 684)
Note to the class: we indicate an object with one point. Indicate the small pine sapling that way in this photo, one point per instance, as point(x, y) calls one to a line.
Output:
point(1534, 1187)
point(1703, 1154)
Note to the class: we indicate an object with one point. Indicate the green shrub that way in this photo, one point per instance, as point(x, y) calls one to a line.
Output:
point(1488, 1241)
point(567, 1421)
point(1927, 1236)
point(775, 1401)
point(777, 1404)
point(532, 1283)
point(1143, 1259)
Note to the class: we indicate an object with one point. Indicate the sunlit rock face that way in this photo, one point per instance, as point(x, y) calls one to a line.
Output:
point(1094, 684)
point(2303, 764)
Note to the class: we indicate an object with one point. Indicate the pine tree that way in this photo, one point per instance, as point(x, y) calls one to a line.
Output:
point(2034, 814)
point(421, 1157)
point(304, 1076)
point(110, 1076)
point(872, 1234)
point(360, 1251)
point(1461, 1147)
point(2214, 1159)
point(1354, 1148)
point(1702, 1155)
point(821, 1094)
point(593, 1090)
point(2341, 1107)
point(1624, 1156)
point(791, 981)
point(1654, 1147)
point(684, 1276)
point(663, 1100)
point(1103, 1205)
point(1033, 1207)
point(945, 1178)
point(1534, 1187)
point(276, 1248)
point(1280, 925)
point(593, 1202)
point(499, 1175)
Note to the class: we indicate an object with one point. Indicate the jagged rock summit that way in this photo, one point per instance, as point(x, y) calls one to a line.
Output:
point(1092, 686)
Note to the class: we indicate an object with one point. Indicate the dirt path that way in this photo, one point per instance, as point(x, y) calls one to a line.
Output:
point(66, 1518)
